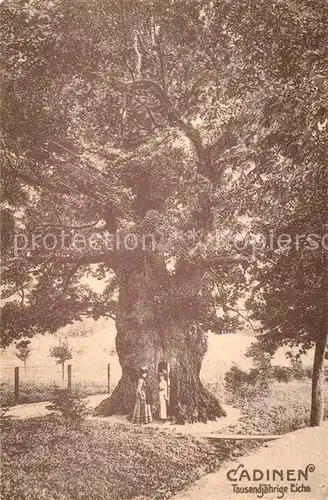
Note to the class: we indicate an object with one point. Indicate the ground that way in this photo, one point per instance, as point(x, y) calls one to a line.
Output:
point(32, 410)
point(292, 451)
point(282, 408)
point(111, 459)
point(102, 461)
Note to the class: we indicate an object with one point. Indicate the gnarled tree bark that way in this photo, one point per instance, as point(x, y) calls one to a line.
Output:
point(146, 338)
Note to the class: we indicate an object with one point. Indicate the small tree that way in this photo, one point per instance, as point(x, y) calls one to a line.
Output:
point(23, 351)
point(61, 352)
point(71, 407)
point(296, 366)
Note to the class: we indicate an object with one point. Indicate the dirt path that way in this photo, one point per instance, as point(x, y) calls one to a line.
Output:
point(294, 451)
point(197, 429)
point(33, 410)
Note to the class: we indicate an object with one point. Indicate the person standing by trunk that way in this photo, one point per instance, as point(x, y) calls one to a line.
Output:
point(142, 408)
point(163, 396)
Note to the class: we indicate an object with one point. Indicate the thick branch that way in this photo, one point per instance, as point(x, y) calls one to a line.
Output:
point(105, 258)
point(150, 114)
point(241, 315)
point(37, 179)
point(53, 225)
point(173, 116)
point(161, 62)
point(172, 113)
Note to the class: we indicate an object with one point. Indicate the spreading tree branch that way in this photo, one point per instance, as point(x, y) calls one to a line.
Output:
point(237, 311)
point(54, 258)
point(173, 116)
point(172, 113)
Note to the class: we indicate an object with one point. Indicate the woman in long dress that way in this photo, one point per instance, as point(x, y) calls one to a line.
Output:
point(163, 397)
point(142, 408)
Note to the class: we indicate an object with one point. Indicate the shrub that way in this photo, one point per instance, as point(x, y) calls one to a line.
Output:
point(235, 377)
point(284, 408)
point(5, 420)
point(241, 385)
point(70, 406)
point(282, 373)
point(298, 370)
point(309, 371)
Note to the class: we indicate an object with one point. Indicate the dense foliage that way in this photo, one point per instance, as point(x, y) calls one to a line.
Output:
point(146, 117)
point(23, 350)
point(199, 123)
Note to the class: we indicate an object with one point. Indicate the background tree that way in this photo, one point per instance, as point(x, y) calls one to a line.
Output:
point(23, 351)
point(297, 367)
point(156, 117)
point(61, 352)
point(291, 295)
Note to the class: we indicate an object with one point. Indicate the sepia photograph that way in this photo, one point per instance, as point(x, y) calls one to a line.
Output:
point(164, 249)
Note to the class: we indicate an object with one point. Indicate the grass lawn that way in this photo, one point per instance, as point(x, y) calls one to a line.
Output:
point(42, 459)
point(284, 408)
point(35, 392)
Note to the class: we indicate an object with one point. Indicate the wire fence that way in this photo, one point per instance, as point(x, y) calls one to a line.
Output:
point(45, 373)
point(38, 383)
point(39, 373)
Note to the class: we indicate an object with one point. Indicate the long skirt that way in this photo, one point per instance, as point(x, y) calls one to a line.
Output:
point(162, 406)
point(142, 412)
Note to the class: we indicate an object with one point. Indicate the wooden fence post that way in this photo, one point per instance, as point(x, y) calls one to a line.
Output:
point(16, 384)
point(69, 377)
point(108, 378)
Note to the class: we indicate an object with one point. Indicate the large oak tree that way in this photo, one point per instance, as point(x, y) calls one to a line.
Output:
point(144, 118)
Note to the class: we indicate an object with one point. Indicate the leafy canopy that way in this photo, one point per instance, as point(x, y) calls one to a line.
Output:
point(177, 119)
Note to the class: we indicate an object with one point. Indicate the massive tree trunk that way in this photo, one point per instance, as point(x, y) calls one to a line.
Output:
point(147, 336)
